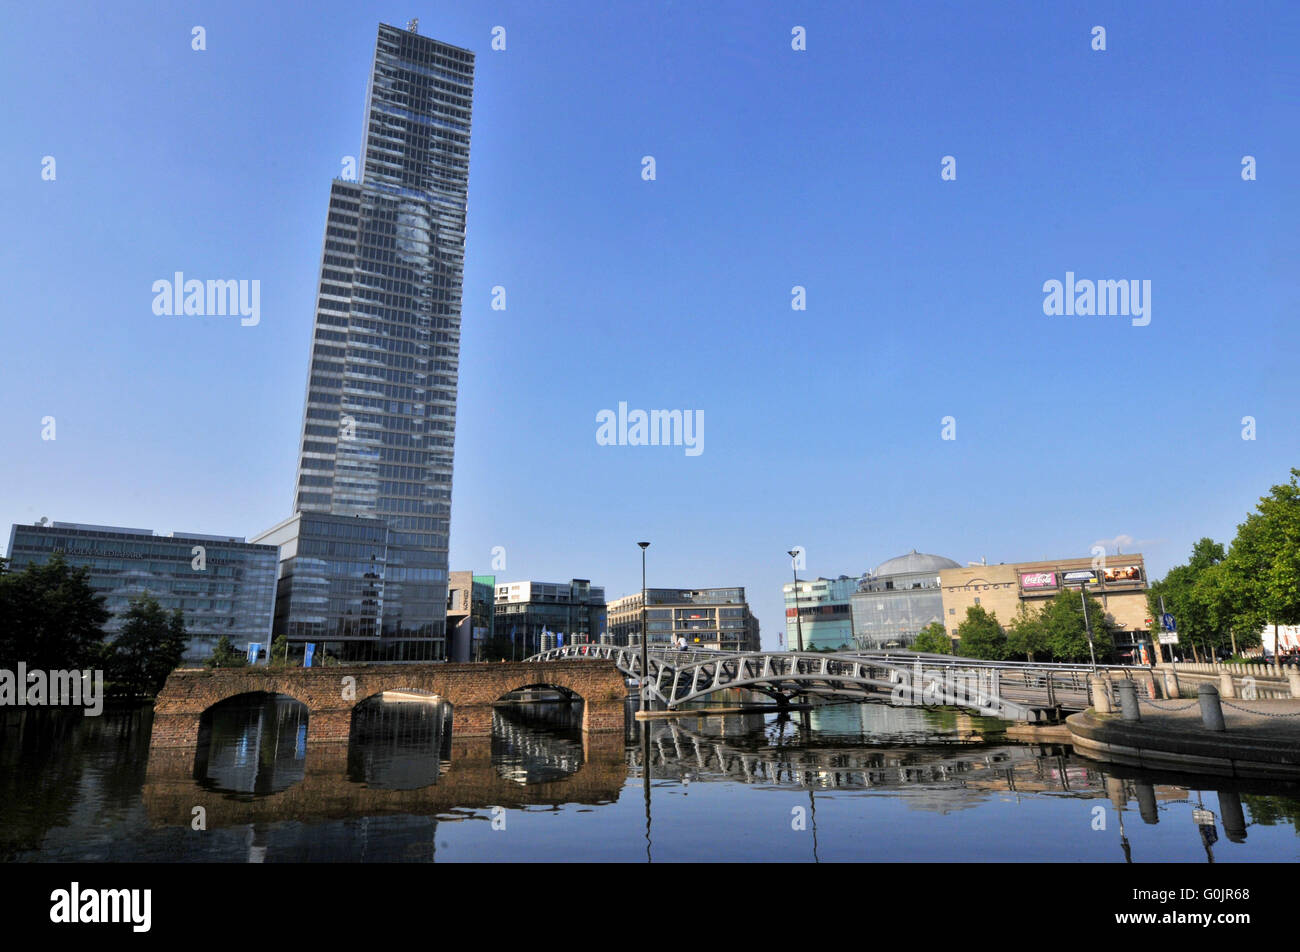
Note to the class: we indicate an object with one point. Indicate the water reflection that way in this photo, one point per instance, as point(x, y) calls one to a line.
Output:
point(252, 744)
point(399, 743)
point(840, 782)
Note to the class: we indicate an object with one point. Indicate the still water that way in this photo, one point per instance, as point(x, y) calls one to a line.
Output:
point(853, 782)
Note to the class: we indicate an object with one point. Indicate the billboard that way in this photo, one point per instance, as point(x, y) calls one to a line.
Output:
point(1038, 580)
point(1122, 573)
point(1087, 576)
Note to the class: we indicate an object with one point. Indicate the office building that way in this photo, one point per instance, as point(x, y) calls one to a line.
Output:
point(717, 618)
point(379, 423)
point(223, 585)
point(902, 596)
point(471, 613)
point(825, 613)
point(537, 616)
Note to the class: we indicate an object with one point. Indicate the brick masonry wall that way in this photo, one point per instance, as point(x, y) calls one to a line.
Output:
point(330, 694)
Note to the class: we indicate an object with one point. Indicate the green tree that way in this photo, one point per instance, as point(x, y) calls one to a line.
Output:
point(1197, 596)
point(1065, 634)
point(1265, 560)
point(224, 655)
point(980, 636)
point(278, 653)
point(50, 617)
point(1026, 635)
point(148, 647)
point(933, 638)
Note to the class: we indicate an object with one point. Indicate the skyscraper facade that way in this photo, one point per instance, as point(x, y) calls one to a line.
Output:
point(378, 429)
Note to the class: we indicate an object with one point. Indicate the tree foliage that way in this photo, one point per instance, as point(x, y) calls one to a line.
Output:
point(224, 655)
point(980, 635)
point(1026, 635)
point(1065, 633)
point(50, 617)
point(933, 638)
point(148, 647)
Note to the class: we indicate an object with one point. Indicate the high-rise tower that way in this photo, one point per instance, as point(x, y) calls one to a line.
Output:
point(364, 558)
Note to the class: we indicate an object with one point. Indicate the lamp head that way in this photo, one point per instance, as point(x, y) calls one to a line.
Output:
point(644, 545)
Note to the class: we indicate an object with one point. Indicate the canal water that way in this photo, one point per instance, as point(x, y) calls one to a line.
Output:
point(845, 782)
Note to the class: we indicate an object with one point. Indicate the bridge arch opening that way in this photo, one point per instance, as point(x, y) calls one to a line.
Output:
point(252, 743)
point(400, 739)
point(537, 733)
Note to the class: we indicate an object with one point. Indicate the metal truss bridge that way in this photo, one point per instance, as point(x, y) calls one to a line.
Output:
point(1012, 690)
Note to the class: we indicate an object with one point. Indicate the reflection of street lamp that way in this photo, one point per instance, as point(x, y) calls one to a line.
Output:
point(794, 568)
point(645, 634)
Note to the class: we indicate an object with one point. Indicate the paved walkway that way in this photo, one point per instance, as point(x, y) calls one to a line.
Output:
point(1268, 720)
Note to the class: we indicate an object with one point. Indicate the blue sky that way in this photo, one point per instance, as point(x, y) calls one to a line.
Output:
point(775, 168)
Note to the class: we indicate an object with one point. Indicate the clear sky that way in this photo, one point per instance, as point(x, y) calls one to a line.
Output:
point(775, 168)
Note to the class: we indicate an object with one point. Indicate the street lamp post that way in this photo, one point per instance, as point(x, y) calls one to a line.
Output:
point(645, 634)
point(1087, 626)
point(798, 623)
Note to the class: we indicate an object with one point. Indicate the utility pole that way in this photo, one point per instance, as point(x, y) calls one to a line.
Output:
point(1087, 626)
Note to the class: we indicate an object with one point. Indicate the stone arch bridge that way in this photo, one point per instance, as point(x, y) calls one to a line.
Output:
point(330, 694)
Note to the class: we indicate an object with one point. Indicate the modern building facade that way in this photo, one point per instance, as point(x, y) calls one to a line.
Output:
point(825, 613)
point(717, 618)
point(1120, 586)
point(223, 585)
point(898, 599)
point(379, 422)
point(471, 614)
point(536, 616)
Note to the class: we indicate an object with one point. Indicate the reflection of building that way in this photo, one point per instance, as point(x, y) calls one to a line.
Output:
point(825, 613)
point(901, 597)
point(536, 615)
point(1120, 587)
point(470, 614)
point(378, 428)
point(229, 591)
point(717, 618)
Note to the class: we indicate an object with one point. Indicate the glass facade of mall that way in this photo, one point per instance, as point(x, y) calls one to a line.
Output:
point(902, 596)
point(717, 618)
point(226, 588)
point(379, 424)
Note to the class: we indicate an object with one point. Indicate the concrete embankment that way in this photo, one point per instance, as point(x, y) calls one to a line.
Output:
point(1261, 738)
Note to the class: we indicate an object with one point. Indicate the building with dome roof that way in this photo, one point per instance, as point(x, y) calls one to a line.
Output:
point(902, 596)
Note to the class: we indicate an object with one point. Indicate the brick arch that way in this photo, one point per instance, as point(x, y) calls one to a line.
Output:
point(331, 693)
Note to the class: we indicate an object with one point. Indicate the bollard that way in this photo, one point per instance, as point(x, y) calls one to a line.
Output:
point(1211, 708)
point(1128, 700)
point(1100, 699)
point(1146, 798)
point(1226, 687)
point(1234, 821)
point(1293, 676)
point(1171, 684)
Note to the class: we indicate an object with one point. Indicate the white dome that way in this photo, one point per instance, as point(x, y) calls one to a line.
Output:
point(915, 563)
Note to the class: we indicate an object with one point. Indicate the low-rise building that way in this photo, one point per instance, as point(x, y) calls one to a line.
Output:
point(541, 615)
point(825, 613)
point(223, 585)
point(717, 618)
point(471, 614)
point(1120, 586)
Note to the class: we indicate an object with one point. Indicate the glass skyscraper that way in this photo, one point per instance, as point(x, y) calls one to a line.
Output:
point(379, 425)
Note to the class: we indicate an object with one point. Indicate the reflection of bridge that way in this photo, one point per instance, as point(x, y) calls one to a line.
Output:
point(1007, 689)
point(473, 780)
point(674, 746)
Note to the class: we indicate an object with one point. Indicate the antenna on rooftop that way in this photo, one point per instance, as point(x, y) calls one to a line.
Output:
point(413, 25)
